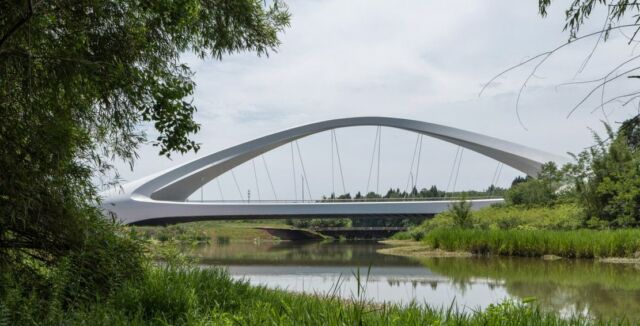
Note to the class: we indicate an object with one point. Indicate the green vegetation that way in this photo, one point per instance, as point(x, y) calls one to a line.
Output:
point(607, 178)
point(173, 295)
point(207, 231)
point(504, 217)
point(534, 243)
point(584, 210)
point(320, 222)
point(80, 83)
point(431, 193)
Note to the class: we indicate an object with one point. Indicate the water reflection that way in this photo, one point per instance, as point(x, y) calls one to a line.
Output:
point(567, 286)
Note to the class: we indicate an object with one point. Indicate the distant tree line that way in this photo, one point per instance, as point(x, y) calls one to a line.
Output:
point(424, 193)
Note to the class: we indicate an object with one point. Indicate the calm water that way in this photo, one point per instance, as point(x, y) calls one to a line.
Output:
point(584, 287)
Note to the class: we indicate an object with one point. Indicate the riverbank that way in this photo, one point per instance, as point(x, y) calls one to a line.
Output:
point(619, 247)
point(225, 231)
point(184, 295)
point(416, 249)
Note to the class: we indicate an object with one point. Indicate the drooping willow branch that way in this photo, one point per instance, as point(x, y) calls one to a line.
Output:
point(546, 55)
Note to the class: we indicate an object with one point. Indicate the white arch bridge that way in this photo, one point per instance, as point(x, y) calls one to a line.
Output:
point(162, 197)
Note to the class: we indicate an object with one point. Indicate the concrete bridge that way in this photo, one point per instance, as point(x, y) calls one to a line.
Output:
point(162, 197)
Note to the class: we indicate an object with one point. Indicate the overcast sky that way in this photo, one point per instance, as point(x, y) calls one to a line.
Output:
point(423, 60)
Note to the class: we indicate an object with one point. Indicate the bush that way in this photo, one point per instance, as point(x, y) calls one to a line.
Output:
point(545, 190)
point(607, 177)
point(107, 259)
point(319, 222)
point(461, 213)
point(559, 217)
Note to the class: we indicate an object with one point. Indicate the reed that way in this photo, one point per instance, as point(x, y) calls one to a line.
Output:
point(534, 243)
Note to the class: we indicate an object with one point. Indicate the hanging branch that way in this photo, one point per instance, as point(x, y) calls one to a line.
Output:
point(546, 55)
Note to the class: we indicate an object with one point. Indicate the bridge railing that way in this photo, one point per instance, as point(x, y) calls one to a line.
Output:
point(336, 200)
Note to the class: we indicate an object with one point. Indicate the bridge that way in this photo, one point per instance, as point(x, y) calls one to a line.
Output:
point(162, 198)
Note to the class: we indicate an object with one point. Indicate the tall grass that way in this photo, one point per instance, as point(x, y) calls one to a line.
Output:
point(194, 296)
point(533, 243)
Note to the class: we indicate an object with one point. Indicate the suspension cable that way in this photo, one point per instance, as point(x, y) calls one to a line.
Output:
point(237, 186)
point(499, 173)
point(304, 172)
point(335, 138)
point(333, 191)
point(273, 189)
point(255, 176)
point(453, 166)
point(458, 170)
point(415, 184)
point(379, 142)
point(373, 155)
point(220, 188)
point(495, 173)
point(293, 167)
point(413, 159)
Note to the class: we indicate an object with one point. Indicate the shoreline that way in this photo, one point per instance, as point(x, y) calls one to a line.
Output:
point(416, 249)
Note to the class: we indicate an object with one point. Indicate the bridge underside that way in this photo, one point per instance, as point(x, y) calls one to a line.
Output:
point(182, 219)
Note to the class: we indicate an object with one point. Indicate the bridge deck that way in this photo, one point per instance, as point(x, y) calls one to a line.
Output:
point(165, 212)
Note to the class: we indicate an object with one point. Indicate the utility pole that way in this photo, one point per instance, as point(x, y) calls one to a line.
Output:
point(248, 195)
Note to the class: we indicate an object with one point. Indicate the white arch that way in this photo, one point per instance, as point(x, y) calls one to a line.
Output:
point(175, 185)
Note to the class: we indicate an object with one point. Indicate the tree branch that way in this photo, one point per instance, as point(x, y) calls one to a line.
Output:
point(18, 24)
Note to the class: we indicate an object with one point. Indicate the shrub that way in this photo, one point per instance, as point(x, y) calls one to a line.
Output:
point(461, 212)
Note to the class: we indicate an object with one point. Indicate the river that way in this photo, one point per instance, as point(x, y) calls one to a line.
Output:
point(566, 286)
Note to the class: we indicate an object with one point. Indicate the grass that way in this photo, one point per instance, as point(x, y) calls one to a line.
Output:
point(526, 232)
point(534, 243)
point(559, 217)
point(193, 296)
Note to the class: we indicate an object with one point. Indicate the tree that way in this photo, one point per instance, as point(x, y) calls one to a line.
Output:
point(78, 82)
point(540, 191)
point(607, 180)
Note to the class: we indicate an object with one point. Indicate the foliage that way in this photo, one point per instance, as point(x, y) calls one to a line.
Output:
point(505, 217)
point(461, 213)
point(196, 296)
point(540, 191)
point(607, 178)
point(78, 82)
point(532, 243)
point(106, 260)
point(558, 217)
point(580, 10)
point(319, 222)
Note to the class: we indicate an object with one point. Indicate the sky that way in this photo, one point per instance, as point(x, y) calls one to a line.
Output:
point(414, 59)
